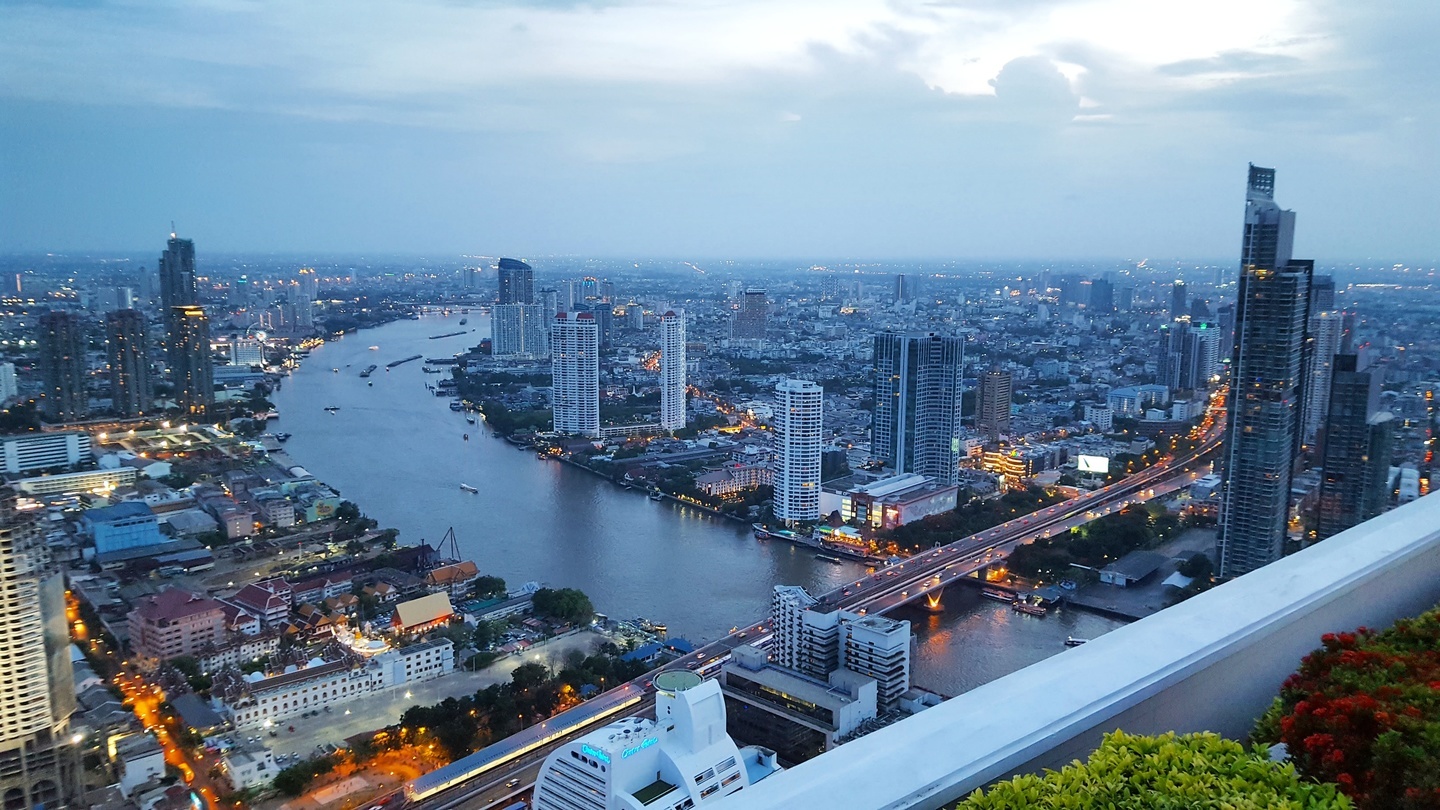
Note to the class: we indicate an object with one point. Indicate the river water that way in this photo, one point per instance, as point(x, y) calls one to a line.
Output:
point(400, 453)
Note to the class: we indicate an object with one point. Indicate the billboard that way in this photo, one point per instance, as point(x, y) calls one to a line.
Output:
point(1093, 464)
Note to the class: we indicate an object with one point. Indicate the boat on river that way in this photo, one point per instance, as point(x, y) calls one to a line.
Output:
point(998, 595)
point(469, 489)
point(1027, 608)
point(656, 495)
point(332, 408)
point(830, 558)
point(1071, 641)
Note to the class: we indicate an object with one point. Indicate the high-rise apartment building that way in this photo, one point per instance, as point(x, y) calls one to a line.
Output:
point(798, 427)
point(1268, 380)
point(62, 366)
point(177, 277)
point(517, 282)
point(992, 403)
point(816, 642)
point(1322, 294)
point(604, 321)
point(469, 278)
point(309, 282)
point(39, 759)
point(575, 374)
point(1357, 449)
point(127, 351)
point(672, 370)
point(915, 424)
point(1101, 300)
point(518, 332)
point(1327, 333)
point(191, 366)
point(753, 318)
point(1189, 354)
point(9, 386)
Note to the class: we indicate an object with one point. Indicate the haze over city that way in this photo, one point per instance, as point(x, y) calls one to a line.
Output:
point(808, 131)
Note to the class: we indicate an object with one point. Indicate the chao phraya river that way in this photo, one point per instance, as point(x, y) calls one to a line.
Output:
point(400, 453)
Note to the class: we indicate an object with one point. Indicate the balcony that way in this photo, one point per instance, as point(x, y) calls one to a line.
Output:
point(1212, 663)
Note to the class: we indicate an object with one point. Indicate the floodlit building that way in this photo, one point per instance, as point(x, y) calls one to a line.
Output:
point(887, 502)
point(798, 426)
point(681, 759)
point(672, 370)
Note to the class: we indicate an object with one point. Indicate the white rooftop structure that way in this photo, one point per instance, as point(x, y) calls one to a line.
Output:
point(681, 759)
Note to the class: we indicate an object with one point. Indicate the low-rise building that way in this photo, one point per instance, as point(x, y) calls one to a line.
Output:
point(38, 451)
point(74, 482)
point(241, 649)
point(248, 767)
point(269, 601)
point(887, 502)
point(175, 623)
point(124, 526)
point(138, 758)
point(733, 478)
point(455, 578)
point(796, 716)
point(423, 614)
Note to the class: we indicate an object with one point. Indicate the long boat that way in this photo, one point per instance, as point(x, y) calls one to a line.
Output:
point(395, 363)
point(998, 595)
point(469, 489)
point(1026, 607)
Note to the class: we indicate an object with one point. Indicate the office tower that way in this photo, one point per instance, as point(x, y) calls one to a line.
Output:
point(1357, 449)
point(517, 282)
point(799, 429)
point(992, 403)
point(9, 387)
point(62, 366)
point(752, 319)
point(1125, 298)
point(469, 278)
point(1268, 371)
point(589, 288)
point(672, 370)
point(682, 759)
point(915, 424)
point(604, 321)
point(37, 696)
point(191, 365)
point(904, 289)
point(127, 350)
point(575, 374)
point(517, 331)
point(1179, 305)
point(1102, 296)
point(1322, 294)
point(1189, 354)
point(1327, 332)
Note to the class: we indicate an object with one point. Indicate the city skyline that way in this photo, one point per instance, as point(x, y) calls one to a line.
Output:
point(378, 134)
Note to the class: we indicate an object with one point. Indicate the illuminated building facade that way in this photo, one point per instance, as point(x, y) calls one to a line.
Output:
point(191, 364)
point(915, 425)
point(798, 425)
point(672, 370)
point(575, 374)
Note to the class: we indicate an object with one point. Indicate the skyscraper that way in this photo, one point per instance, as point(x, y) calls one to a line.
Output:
point(127, 351)
point(992, 403)
point(1178, 300)
point(915, 425)
point(1357, 449)
point(799, 430)
point(672, 370)
point(37, 696)
point(753, 318)
point(1327, 332)
point(469, 278)
point(9, 387)
point(1188, 355)
point(517, 282)
point(575, 374)
point(517, 331)
point(604, 321)
point(1322, 294)
point(62, 366)
point(177, 276)
point(1102, 296)
point(1268, 378)
point(904, 288)
point(191, 364)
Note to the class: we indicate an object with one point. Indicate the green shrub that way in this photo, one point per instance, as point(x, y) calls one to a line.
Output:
point(1168, 772)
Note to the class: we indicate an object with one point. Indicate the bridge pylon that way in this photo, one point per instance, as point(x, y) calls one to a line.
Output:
point(931, 602)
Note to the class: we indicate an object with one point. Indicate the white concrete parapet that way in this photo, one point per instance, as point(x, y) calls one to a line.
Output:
point(1213, 663)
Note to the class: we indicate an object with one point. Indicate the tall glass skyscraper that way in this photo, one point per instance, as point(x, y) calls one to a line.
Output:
point(915, 426)
point(517, 282)
point(1357, 449)
point(1269, 363)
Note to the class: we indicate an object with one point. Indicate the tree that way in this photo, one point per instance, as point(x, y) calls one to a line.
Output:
point(563, 604)
point(488, 587)
point(529, 675)
point(1131, 772)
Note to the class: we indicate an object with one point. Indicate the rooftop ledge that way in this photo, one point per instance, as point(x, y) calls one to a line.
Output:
point(1213, 662)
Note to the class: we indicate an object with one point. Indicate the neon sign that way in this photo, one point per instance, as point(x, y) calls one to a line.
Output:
point(645, 743)
point(590, 751)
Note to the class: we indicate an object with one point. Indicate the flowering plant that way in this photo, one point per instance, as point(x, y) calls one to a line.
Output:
point(1363, 711)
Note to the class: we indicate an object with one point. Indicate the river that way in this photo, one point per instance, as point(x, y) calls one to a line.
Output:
point(399, 453)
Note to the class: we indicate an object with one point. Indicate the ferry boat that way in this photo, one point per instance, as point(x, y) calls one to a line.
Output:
point(374, 348)
point(1027, 608)
point(998, 595)
point(464, 321)
point(1071, 641)
point(332, 408)
point(469, 489)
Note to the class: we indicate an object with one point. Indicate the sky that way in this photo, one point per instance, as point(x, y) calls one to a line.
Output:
point(814, 129)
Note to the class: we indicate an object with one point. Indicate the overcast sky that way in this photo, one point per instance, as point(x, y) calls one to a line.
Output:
point(970, 129)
